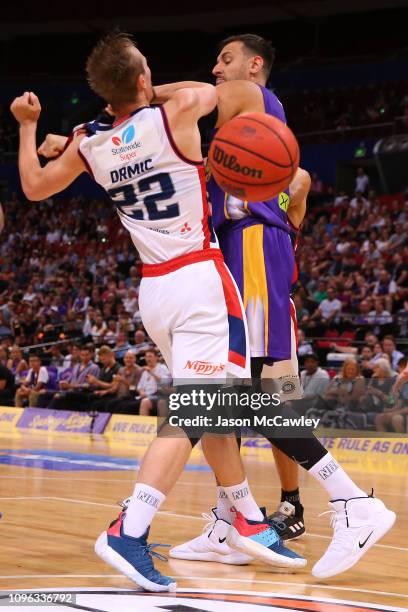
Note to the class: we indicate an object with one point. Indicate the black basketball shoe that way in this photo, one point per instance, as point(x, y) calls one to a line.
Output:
point(287, 523)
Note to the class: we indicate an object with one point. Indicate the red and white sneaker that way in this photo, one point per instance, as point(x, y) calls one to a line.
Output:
point(261, 541)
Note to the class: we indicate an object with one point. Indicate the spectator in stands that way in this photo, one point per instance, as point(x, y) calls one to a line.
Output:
point(141, 343)
point(154, 375)
point(329, 309)
point(396, 241)
point(73, 355)
point(81, 302)
point(362, 181)
point(131, 303)
point(102, 385)
point(395, 416)
point(124, 386)
point(57, 359)
point(379, 316)
point(365, 360)
point(316, 187)
point(302, 313)
point(16, 362)
point(122, 345)
point(35, 381)
point(346, 389)
point(304, 347)
point(364, 316)
point(98, 329)
point(379, 387)
point(74, 391)
point(385, 287)
point(314, 381)
point(111, 335)
point(390, 349)
point(359, 204)
point(7, 386)
point(321, 293)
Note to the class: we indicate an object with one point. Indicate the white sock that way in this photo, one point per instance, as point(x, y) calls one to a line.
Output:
point(242, 499)
point(142, 507)
point(224, 506)
point(334, 479)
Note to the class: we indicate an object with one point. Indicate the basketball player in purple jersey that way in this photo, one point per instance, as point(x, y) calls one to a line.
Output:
point(256, 241)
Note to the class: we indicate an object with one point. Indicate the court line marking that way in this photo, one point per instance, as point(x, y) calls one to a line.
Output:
point(65, 477)
point(212, 579)
point(170, 513)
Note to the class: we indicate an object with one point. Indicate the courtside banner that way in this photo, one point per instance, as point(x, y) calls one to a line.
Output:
point(9, 418)
point(42, 419)
point(382, 455)
point(132, 429)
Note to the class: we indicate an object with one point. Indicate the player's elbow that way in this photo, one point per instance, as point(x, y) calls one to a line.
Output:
point(34, 190)
point(32, 194)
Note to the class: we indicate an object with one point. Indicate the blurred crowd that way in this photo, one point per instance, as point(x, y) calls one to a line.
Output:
point(70, 327)
point(349, 107)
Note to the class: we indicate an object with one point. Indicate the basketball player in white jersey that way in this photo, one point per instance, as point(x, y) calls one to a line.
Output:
point(149, 162)
point(359, 520)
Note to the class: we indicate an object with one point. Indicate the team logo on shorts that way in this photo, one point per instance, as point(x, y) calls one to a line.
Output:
point(126, 137)
point(204, 368)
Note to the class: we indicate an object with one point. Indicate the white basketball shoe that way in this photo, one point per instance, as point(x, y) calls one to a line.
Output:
point(358, 524)
point(211, 545)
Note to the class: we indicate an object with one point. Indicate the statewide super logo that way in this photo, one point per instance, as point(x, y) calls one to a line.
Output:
point(126, 137)
point(125, 145)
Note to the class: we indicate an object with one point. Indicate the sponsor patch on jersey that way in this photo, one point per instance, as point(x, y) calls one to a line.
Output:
point(283, 201)
point(125, 146)
point(204, 368)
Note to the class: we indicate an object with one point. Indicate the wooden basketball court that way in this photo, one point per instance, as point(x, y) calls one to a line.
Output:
point(58, 492)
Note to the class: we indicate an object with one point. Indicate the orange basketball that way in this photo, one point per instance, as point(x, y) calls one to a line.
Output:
point(254, 157)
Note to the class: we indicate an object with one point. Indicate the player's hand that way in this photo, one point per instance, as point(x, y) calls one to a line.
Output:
point(26, 109)
point(52, 146)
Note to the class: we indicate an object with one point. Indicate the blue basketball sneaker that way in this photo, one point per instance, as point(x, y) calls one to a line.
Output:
point(132, 557)
point(260, 540)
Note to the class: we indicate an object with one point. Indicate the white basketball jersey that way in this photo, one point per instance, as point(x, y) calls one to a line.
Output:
point(160, 196)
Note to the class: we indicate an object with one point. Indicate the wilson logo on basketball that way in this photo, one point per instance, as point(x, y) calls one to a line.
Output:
point(230, 162)
point(204, 368)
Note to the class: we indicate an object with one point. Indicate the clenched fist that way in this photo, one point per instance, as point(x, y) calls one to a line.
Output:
point(26, 109)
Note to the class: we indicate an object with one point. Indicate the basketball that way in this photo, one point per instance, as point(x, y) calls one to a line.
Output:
point(254, 156)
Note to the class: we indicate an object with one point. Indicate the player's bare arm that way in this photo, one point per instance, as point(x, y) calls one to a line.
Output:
point(163, 93)
point(39, 183)
point(298, 191)
point(183, 110)
point(237, 98)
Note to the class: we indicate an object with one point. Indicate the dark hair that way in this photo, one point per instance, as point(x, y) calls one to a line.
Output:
point(402, 362)
point(312, 356)
point(257, 45)
point(112, 69)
